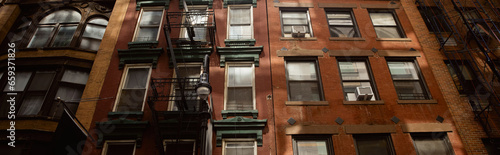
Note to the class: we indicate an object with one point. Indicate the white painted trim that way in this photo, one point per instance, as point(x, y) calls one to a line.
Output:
point(105, 147)
point(174, 75)
point(124, 77)
point(236, 64)
point(224, 141)
point(228, 24)
point(181, 140)
point(140, 17)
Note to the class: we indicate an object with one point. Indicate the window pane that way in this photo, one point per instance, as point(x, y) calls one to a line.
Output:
point(64, 36)
point(131, 100)
point(409, 90)
point(41, 81)
point(189, 72)
point(69, 94)
point(239, 16)
point(431, 146)
point(152, 17)
point(240, 32)
point(137, 78)
point(147, 34)
point(94, 31)
point(239, 148)
point(41, 37)
point(350, 89)
point(304, 91)
point(294, 15)
point(62, 16)
point(73, 76)
point(372, 145)
point(120, 149)
point(354, 71)
point(301, 70)
point(31, 105)
point(180, 148)
point(90, 44)
point(339, 18)
point(343, 32)
point(294, 21)
point(312, 148)
point(387, 32)
point(239, 99)
point(240, 76)
point(403, 70)
point(22, 79)
point(99, 21)
point(381, 19)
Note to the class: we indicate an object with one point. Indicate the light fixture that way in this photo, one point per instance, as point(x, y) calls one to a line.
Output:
point(203, 88)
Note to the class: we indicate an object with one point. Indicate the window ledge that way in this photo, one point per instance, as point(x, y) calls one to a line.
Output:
point(346, 39)
point(302, 39)
point(379, 102)
point(417, 101)
point(306, 103)
point(226, 113)
point(394, 39)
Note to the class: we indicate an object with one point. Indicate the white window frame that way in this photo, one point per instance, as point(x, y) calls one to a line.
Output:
point(239, 64)
point(225, 141)
point(194, 7)
point(172, 87)
point(136, 31)
point(309, 25)
point(105, 147)
point(229, 7)
point(124, 78)
point(180, 140)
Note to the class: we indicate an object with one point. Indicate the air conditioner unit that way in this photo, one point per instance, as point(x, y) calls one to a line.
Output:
point(364, 93)
point(298, 31)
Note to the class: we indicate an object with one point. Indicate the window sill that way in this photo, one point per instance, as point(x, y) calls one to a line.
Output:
point(417, 101)
point(346, 39)
point(394, 39)
point(379, 102)
point(226, 113)
point(301, 39)
point(306, 103)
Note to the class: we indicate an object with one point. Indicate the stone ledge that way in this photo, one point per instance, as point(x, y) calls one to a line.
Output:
point(301, 39)
point(379, 102)
point(394, 39)
point(306, 103)
point(346, 39)
point(427, 127)
point(306, 5)
point(312, 129)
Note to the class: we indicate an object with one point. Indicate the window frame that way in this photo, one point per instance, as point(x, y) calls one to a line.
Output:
point(387, 137)
point(183, 31)
point(123, 80)
point(85, 27)
point(326, 138)
point(398, 26)
point(442, 136)
point(431, 20)
point(229, 7)
point(318, 76)
point(309, 24)
point(226, 72)
point(183, 140)
point(56, 28)
point(171, 104)
point(230, 140)
point(138, 25)
point(421, 79)
point(106, 145)
point(353, 19)
point(371, 80)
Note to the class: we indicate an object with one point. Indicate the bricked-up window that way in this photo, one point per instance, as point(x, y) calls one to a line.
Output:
point(342, 23)
point(133, 88)
point(191, 71)
point(240, 22)
point(239, 147)
point(240, 86)
point(355, 74)
point(149, 24)
point(56, 29)
point(119, 148)
point(94, 31)
point(434, 19)
point(180, 147)
point(295, 21)
point(432, 143)
point(408, 80)
point(304, 83)
point(312, 145)
point(369, 144)
point(386, 24)
point(198, 18)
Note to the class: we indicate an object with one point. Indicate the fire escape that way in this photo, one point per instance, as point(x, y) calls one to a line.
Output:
point(468, 34)
point(180, 113)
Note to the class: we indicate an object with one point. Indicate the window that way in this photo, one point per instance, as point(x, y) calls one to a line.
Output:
point(386, 24)
point(369, 144)
point(295, 21)
point(149, 24)
point(355, 74)
point(304, 83)
point(313, 145)
point(407, 80)
point(190, 71)
point(119, 148)
point(198, 18)
point(240, 22)
point(180, 147)
point(240, 86)
point(432, 143)
point(133, 88)
point(239, 147)
point(56, 29)
point(434, 19)
point(342, 23)
point(70, 91)
point(94, 31)
point(465, 81)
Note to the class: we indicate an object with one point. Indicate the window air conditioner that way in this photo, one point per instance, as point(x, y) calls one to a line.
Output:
point(298, 31)
point(364, 93)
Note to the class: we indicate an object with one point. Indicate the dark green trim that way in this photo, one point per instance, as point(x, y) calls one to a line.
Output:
point(239, 127)
point(142, 44)
point(196, 2)
point(246, 42)
point(239, 53)
point(253, 113)
point(188, 54)
point(120, 129)
point(139, 55)
point(233, 2)
point(143, 3)
point(126, 114)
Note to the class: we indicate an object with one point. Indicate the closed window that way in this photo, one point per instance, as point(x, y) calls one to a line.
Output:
point(312, 145)
point(94, 31)
point(119, 148)
point(370, 144)
point(408, 80)
point(295, 21)
point(190, 71)
point(357, 80)
point(434, 19)
point(149, 24)
point(240, 86)
point(386, 24)
point(239, 147)
point(240, 22)
point(197, 18)
point(56, 29)
point(342, 23)
point(432, 143)
point(462, 76)
point(180, 147)
point(303, 80)
point(133, 88)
